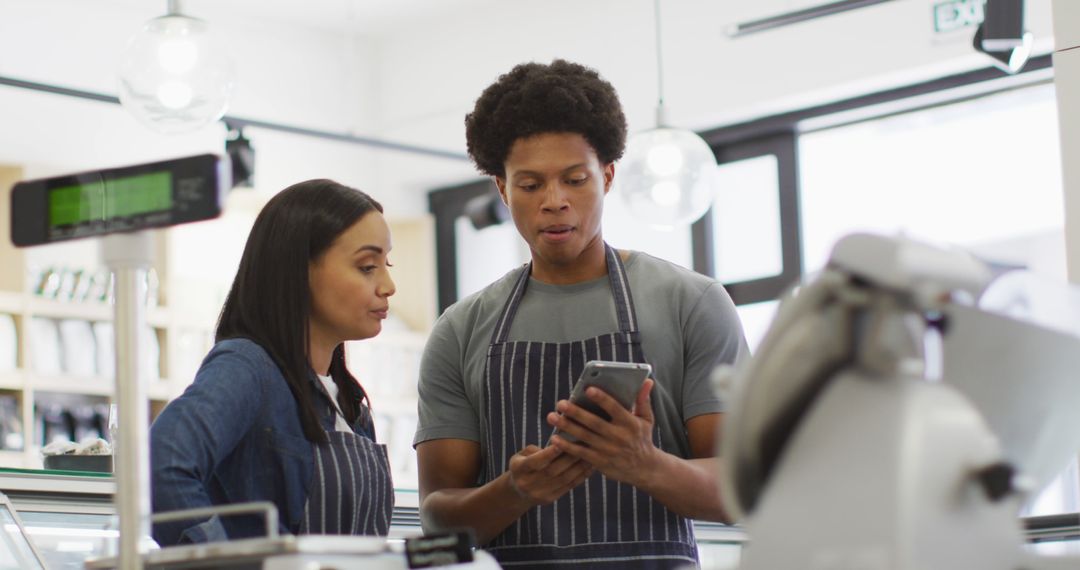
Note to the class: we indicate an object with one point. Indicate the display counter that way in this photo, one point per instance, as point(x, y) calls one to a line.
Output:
point(70, 516)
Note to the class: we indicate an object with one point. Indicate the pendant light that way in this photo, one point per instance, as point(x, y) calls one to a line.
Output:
point(174, 77)
point(667, 176)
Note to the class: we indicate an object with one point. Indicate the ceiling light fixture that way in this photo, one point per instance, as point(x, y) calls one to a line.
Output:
point(174, 77)
point(486, 210)
point(1011, 60)
point(667, 175)
point(241, 156)
point(1002, 35)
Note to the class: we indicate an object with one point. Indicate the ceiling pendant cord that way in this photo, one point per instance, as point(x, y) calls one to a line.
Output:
point(661, 118)
point(668, 174)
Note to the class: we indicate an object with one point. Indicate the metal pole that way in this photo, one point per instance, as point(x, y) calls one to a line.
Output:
point(234, 122)
point(128, 256)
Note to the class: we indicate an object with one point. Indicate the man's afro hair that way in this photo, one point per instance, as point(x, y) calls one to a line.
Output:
point(534, 98)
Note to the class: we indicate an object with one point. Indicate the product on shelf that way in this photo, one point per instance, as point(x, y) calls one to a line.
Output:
point(12, 436)
point(45, 352)
point(79, 348)
point(9, 343)
point(104, 345)
point(53, 423)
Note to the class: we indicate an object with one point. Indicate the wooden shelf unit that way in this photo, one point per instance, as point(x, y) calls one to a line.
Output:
point(28, 385)
point(189, 302)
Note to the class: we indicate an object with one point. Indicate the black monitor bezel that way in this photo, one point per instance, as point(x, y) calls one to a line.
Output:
point(30, 224)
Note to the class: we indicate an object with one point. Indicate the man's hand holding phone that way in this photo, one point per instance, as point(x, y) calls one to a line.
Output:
point(622, 448)
point(542, 476)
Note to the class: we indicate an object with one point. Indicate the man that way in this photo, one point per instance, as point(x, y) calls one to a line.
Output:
point(500, 364)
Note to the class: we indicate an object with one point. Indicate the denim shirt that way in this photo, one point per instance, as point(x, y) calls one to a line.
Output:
point(234, 436)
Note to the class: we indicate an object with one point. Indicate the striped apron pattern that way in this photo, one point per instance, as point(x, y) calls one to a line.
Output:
point(351, 491)
point(606, 524)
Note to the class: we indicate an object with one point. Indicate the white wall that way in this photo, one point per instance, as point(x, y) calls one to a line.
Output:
point(303, 77)
point(284, 72)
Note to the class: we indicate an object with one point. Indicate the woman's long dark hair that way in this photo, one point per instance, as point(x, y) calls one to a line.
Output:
point(270, 299)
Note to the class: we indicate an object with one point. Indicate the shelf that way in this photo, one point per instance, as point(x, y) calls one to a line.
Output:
point(12, 303)
point(158, 389)
point(16, 459)
point(12, 380)
point(81, 385)
point(184, 330)
point(157, 317)
point(161, 391)
point(87, 311)
point(39, 481)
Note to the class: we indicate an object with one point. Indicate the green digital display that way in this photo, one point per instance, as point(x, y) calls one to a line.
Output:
point(109, 199)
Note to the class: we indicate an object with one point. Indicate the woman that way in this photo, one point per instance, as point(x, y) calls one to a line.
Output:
point(274, 414)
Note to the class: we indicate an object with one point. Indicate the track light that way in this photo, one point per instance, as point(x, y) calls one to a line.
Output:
point(241, 155)
point(486, 210)
point(1012, 60)
point(1002, 35)
point(1003, 25)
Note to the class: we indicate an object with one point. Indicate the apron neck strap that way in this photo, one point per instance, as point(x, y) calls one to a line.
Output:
point(620, 290)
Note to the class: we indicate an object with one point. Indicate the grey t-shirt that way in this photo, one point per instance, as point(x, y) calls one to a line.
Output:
point(688, 325)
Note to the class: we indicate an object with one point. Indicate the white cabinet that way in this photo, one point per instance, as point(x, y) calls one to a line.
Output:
point(56, 370)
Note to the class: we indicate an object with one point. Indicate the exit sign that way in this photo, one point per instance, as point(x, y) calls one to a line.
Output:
point(956, 14)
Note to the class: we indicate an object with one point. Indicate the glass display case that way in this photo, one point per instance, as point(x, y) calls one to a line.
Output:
point(69, 516)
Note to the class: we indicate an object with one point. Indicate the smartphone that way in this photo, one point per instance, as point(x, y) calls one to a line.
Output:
point(620, 380)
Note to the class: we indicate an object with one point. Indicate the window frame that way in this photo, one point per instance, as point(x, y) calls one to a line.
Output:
point(447, 204)
point(783, 146)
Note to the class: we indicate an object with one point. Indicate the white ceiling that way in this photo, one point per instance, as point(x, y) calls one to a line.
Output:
point(380, 17)
point(364, 17)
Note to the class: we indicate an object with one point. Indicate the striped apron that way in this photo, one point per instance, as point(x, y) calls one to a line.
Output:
point(351, 491)
point(604, 523)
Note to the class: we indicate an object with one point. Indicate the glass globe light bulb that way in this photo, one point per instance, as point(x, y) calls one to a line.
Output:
point(174, 77)
point(667, 177)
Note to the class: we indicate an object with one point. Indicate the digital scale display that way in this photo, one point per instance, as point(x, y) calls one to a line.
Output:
point(126, 199)
point(109, 199)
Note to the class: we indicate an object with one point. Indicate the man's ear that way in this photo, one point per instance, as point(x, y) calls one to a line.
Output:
point(609, 176)
point(500, 183)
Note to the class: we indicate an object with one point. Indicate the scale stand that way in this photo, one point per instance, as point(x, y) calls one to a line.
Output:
point(120, 205)
point(129, 256)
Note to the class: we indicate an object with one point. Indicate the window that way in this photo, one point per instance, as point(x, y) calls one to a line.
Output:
point(984, 174)
point(749, 239)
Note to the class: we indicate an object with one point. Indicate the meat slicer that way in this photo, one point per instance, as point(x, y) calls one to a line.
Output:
point(899, 411)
